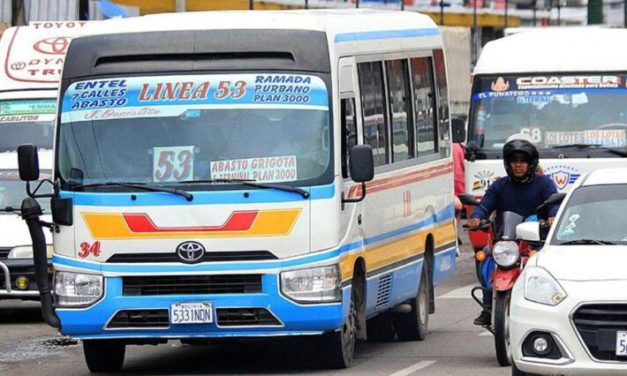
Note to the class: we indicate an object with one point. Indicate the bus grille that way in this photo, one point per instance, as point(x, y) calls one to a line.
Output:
point(385, 289)
point(597, 325)
point(246, 317)
point(140, 318)
point(192, 284)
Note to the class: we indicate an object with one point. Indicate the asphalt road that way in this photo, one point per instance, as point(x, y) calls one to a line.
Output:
point(453, 347)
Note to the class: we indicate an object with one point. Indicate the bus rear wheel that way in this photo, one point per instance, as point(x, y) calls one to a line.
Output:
point(413, 326)
point(104, 355)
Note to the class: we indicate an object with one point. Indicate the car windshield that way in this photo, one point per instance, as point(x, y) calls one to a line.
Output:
point(177, 129)
point(13, 190)
point(596, 213)
point(555, 110)
point(26, 121)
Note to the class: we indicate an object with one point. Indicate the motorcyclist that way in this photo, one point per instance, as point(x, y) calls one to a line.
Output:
point(521, 192)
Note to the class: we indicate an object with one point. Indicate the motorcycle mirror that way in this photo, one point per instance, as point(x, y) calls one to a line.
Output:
point(528, 231)
point(468, 199)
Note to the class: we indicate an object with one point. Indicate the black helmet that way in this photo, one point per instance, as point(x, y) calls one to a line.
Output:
point(521, 148)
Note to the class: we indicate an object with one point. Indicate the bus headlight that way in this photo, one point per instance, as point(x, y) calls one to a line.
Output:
point(312, 285)
point(77, 289)
point(26, 252)
point(541, 287)
point(505, 253)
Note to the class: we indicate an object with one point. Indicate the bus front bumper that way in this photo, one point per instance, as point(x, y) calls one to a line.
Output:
point(263, 314)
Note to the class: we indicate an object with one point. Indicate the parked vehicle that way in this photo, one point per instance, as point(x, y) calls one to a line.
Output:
point(253, 181)
point(570, 101)
point(569, 307)
point(31, 57)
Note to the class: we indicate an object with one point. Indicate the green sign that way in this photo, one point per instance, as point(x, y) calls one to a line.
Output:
point(28, 107)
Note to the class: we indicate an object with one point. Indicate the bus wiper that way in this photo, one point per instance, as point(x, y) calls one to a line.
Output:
point(251, 183)
point(587, 241)
point(592, 146)
point(142, 186)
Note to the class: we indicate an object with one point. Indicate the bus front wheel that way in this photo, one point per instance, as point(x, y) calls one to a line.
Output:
point(338, 348)
point(104, 355)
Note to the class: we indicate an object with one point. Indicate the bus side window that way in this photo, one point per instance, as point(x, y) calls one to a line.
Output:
point(443, 109)
point(424, 99)
point(374, 111)
point(349, 131)
point(400, 107)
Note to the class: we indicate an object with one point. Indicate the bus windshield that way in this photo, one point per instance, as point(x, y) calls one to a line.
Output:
point(577, 112)
point(26, 121)
point(175, 129)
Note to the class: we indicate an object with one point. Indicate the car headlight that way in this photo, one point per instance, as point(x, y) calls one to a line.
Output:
point(541, 287)
point(26, 251)
point(77, 289)
point(505, 253)
point(312, 285)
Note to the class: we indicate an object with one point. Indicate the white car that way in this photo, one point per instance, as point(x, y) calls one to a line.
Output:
point(568, 312)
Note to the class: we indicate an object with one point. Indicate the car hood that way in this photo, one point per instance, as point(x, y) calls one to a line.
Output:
point(14, 232)
point(585, 263)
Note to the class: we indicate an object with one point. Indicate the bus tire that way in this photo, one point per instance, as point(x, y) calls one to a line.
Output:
point(104, 355)
point(381, 328)
point(337, 349)
point(413, 326)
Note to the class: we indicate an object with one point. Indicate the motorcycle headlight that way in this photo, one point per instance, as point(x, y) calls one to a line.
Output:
point(312, 285)
point(77, 289)
point(541, 287)
point(505, 253)
point(26, 251)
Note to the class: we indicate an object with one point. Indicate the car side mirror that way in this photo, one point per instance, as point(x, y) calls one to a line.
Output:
point(28, 162)
point(62, 211)
point(458, 128)
point(472, 147)
point(529, 232)
point(361, 163)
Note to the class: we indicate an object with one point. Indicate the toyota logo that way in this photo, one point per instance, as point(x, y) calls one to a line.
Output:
point(190, 252)
point(52, 46)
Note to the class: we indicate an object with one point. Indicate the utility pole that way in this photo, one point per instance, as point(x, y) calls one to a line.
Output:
point(506, 6)
point(475, 32)
point(83, 10)
point(251, 4)
point(534, 12)
point(441, 12)
point(18, 16)
point(595, 12)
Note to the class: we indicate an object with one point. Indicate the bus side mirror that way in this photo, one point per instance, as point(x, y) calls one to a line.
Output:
point(28, 162)
point(62, 211)
point(361, 163)
point(458, 127)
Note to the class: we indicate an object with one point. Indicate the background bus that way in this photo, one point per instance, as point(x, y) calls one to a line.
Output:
point(30, 69)
point(564, 88)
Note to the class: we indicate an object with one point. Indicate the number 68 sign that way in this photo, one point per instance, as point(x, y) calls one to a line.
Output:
point(171, 164)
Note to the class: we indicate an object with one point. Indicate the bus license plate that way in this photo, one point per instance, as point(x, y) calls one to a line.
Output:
point(621, 343)
point(191, 313)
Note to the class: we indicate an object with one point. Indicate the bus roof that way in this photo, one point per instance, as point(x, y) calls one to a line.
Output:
point(566, 49)
point(332, 21)
point(32, 56)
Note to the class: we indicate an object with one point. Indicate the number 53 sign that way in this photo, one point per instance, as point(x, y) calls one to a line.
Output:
point(171, 164)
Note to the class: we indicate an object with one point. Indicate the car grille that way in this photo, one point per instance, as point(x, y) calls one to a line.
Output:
point(597, 325)
point(208, 257)
point(4, 252)
point(140, 318)
point(192, 284)
point(246, 317)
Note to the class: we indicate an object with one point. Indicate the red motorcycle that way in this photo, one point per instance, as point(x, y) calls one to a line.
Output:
point(500, 264)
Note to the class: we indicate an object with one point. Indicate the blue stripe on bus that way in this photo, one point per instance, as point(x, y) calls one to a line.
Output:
point(387, 34)
point(256, 196)
point(447, 213)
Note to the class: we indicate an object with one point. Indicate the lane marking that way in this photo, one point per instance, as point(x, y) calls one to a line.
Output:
point(460, 293)
point(414, 368)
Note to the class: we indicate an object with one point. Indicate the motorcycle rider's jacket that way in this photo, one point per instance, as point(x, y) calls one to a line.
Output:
point(506, 194)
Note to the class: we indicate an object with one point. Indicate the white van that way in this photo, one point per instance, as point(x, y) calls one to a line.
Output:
point(30, 66)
